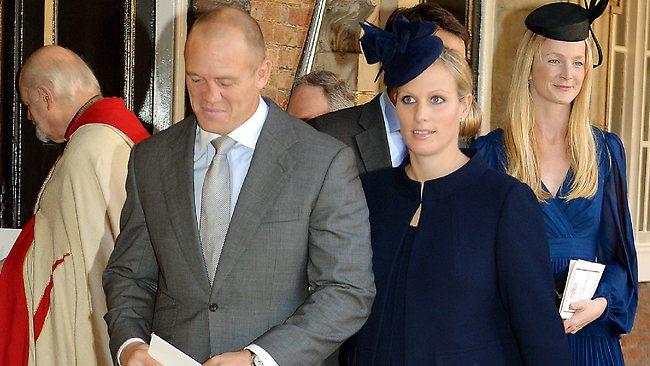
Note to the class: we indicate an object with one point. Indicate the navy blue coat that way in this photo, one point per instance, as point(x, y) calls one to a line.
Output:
point(479, 288)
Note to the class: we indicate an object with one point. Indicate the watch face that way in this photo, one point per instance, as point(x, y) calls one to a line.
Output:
point(257, 361)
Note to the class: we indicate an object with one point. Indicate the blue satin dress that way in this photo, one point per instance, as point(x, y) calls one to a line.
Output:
point(596, 229)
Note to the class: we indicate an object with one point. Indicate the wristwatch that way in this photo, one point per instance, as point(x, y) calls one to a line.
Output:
point(256, 360)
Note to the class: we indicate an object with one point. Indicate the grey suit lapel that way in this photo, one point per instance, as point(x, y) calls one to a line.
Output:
point(178, 184)
point(266, 175)
point(372, 142)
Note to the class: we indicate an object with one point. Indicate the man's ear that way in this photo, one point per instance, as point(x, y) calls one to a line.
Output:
point(263, 73)
point(46, 95)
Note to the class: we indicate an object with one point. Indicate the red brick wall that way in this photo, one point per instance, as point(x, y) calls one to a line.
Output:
point(636, 345)
point(285, 24)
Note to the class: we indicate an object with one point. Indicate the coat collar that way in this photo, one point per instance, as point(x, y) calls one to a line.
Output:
point(443, 186)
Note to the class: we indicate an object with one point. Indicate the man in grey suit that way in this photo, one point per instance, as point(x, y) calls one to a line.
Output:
point(245, 235)
point(372, 129)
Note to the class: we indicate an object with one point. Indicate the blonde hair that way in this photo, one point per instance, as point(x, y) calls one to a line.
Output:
point(462, 73)
point(520, 137)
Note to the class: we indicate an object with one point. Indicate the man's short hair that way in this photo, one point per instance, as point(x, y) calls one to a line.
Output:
point(336, 90)
point(432, 12)
point(225, 18)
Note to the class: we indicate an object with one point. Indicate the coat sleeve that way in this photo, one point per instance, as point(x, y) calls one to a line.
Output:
point(526, 280)
point(131, 277)
point(619, 284)
point(339, 272)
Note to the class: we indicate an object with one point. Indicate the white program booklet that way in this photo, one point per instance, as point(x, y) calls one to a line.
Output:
point(7, 240)
point(581, 284)
point(168, 355)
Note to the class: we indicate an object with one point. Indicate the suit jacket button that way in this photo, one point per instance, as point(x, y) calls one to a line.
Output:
point(213, 307)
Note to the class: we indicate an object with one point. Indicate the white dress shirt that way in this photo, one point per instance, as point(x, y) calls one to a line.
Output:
point(239, 158)
point(391, 124)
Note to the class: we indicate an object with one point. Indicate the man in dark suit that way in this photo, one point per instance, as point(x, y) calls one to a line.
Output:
point(372, 129)
point(245, 235)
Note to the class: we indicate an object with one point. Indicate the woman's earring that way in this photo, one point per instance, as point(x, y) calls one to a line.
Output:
point(462, 120)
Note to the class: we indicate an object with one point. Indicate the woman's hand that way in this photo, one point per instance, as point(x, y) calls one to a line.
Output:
point(586, 312)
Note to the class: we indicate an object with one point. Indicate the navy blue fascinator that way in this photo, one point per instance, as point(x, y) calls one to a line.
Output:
point(404, 52)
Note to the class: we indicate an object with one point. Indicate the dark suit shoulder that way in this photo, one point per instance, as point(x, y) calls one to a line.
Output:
point(346, 123)
point(310, 138)
point(302, 138)
point(174, 142)
point(343, 119)
point(170, 134)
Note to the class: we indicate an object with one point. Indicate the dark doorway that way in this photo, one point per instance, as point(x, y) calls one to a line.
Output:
point(108, 35)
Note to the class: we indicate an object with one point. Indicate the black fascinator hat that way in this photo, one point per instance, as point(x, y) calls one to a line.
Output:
point(567, 22)
point(405, 52)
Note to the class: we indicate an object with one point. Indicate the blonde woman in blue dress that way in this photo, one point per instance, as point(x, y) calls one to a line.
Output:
point(576, 171)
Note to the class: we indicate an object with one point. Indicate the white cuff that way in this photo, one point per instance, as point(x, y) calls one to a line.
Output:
point(264, 356)
point(123, 346)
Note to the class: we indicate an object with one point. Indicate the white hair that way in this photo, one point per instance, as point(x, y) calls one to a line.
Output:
point(60, 70)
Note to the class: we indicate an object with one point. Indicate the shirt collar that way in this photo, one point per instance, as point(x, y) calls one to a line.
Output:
point(390, 113)
point(246, 134)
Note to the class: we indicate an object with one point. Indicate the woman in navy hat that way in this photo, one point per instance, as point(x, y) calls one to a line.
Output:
point(459, 253)
point(577, 172)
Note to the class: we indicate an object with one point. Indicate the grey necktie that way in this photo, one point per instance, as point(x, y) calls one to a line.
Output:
point(215, 205)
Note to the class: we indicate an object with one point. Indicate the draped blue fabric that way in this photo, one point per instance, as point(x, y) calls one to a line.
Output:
point(596, 229)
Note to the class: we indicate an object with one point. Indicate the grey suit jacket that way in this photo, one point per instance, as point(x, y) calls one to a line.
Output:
point(295, 273)
point(362, 128)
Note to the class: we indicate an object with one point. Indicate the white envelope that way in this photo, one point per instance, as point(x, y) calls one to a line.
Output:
point(582, 282)
point(167, 354)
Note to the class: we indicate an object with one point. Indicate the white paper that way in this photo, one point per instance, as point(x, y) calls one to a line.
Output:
point(168, 355)
point(7, 240)
point(581, 284)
